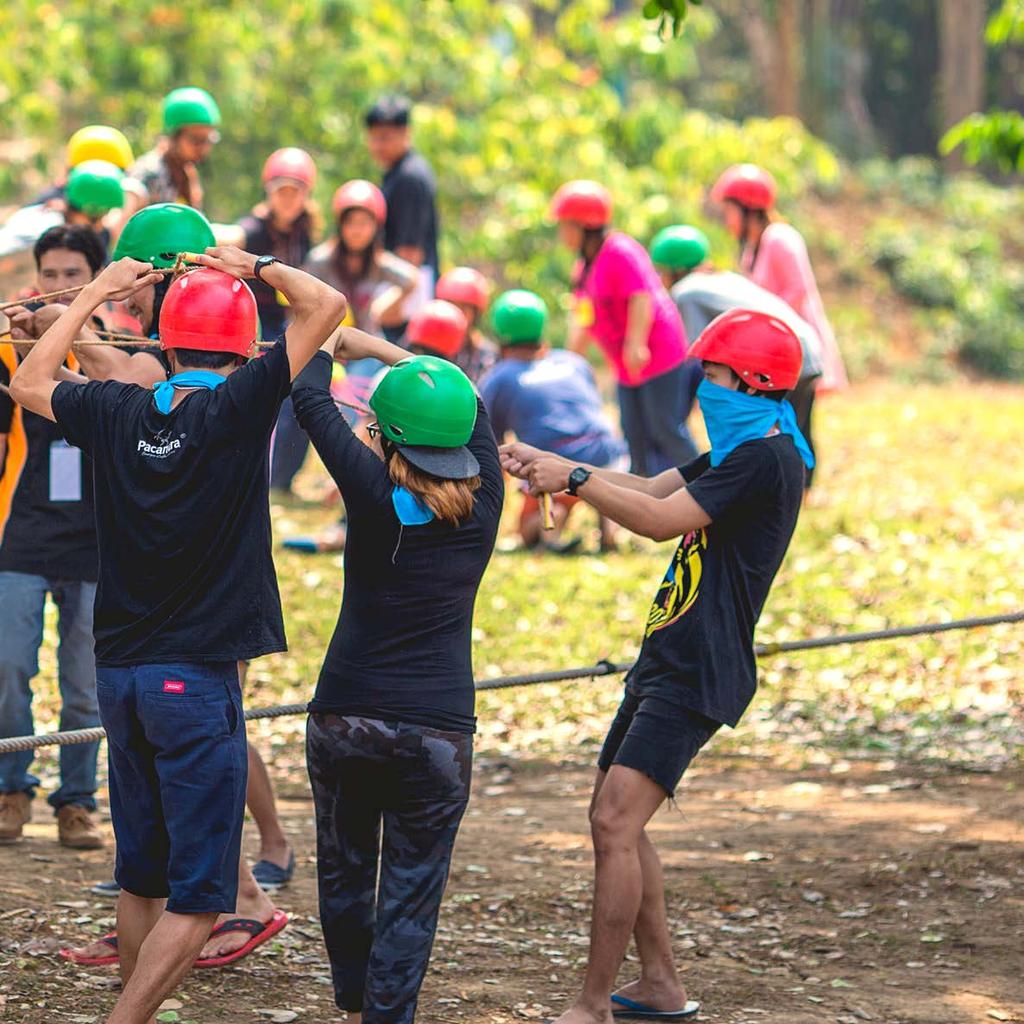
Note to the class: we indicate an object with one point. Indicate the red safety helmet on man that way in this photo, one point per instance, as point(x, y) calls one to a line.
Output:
point(760, 349)
point(587, 203)
point(209, 310)
point(292, 163)
point(438, 326)
point(747, 184)
point(464, 285)
point(360, 195)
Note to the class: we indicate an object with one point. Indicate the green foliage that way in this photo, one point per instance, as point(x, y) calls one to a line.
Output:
point(524, 99)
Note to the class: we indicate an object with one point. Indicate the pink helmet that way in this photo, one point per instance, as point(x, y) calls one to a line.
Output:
point(290, 162)
point(747, 184)
point(360, 195)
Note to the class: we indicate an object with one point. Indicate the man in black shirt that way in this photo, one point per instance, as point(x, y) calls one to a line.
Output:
point(735, 510)
point(411, 229)
point(187, 585)
point(47, 546)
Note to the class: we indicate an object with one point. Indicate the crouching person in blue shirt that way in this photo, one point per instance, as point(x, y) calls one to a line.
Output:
point(187, 586)
point(735, 510)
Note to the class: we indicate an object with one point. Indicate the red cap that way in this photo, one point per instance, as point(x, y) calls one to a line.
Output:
point(587, 203)
point(438, 326)
point(290, 162)
point(465, 285)
point(761, 349)
point(747, 184)
point(362, 195)
point(209, 310)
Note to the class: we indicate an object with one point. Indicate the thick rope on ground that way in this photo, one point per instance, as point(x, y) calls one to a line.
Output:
point(602, 668)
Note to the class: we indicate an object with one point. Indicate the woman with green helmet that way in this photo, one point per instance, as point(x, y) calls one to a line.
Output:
point(169, 173)
point(389, 740)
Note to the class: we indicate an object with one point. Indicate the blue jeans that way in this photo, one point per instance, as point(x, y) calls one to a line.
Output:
point(22, 601)
point(654, 421)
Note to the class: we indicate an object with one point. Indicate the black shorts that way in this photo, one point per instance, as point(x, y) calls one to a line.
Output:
point(654, 733)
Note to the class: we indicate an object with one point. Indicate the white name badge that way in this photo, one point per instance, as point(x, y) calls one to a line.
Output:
point(65, 472)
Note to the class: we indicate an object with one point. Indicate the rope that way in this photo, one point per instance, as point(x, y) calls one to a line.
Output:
point(602, 668)
point(179, 265)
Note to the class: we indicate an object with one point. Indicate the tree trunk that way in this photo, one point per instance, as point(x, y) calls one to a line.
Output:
point(775, 51)
point(962, 63)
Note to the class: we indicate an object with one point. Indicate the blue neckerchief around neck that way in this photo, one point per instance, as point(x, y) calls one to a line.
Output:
point(733, 417)
point(163, 392)
point(409, 509)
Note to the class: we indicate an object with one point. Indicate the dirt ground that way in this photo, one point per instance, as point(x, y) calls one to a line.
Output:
point(866, 892)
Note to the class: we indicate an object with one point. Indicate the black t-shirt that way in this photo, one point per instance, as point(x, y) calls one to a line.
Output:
point(291, 247)
point(183, 516)
point(402, 647)
point(411, 192)
point(699, 637)
point(47, 522)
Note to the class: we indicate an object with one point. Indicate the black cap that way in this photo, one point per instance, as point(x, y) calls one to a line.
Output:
point(447, 463)
point(389, 110)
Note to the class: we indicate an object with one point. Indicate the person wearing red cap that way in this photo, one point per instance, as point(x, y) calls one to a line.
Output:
point(437, 329)
point(773, 254)
point(470, 291)
point(283, 225)
point(186, 584)
point(622, 305)
point(735, 509)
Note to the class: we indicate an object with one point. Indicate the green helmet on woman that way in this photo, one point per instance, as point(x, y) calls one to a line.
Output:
point(427, 408)
point(189, 105)
point(95, 188)
point(158, 233)
point(680, 247)
point(519, 317)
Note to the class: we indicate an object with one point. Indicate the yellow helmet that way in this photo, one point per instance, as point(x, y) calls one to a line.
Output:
point(99, 142)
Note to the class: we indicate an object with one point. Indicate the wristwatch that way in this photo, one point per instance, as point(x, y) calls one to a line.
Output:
point(577, 478)
point(262, 262)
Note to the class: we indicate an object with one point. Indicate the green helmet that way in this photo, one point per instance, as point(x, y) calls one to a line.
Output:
point(424, 400)
point(156, 234)
point(94, 187)
point(519, 317)
point(189, 105)
point(680, 247)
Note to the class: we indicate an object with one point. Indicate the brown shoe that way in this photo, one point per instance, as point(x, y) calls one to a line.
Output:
point(15, 813)
point(77, 829)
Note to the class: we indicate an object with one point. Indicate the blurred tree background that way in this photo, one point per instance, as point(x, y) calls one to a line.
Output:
point(515, 96)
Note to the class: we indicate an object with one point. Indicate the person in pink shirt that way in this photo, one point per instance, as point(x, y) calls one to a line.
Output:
point(622, 306)
point(773, 254)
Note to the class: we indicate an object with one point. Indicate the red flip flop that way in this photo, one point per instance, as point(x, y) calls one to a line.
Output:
point(258, 930)
point(95, 961)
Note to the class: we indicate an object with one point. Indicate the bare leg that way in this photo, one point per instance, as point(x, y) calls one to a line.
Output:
point(259, 798)
point(165, 957)
point(659, 984)
point(136, 918)
point(252, 902)
point(624, 804)
point(532, 533)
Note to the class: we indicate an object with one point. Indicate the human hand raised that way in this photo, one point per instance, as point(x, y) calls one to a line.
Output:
point(123, 278)
point(548, 475)
point(517, 457)
point(228, 258)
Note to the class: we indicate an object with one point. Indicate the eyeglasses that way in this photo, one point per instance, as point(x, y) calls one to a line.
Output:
point(202, 138)
point(373, 429)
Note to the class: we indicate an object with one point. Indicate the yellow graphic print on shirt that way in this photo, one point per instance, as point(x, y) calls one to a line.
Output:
point(681, 585)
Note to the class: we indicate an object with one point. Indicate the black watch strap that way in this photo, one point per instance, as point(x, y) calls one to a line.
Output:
point(577, 478)
point(261, 262)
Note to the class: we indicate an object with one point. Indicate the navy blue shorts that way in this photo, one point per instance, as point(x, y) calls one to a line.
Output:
point(654, 733)
point(177, 766)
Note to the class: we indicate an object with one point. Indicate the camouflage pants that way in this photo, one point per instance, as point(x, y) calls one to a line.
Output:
point(414, 781)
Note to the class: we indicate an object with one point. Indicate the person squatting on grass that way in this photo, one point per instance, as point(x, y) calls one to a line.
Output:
point(389, 740)
point(735, 509)
point(187, 586)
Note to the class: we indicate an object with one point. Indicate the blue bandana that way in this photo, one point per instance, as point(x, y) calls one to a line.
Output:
point(164, 391)
point(409, 509)
point(733, 417)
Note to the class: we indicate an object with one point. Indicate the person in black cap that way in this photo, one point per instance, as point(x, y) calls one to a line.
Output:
point(410, 189)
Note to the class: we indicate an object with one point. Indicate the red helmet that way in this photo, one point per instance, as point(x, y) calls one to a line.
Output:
point(464, 285)
point(438, 326)
point(585, 202)
point(361, 195)
point(761, 349)
point(290, 162)
point(209, 310)
point(747, 184)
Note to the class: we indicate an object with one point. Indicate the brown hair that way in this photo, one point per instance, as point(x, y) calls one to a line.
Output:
point(450, 500)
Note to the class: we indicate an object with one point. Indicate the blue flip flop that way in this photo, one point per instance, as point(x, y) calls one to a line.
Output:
point(271, 877)
point(632, 1010)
